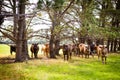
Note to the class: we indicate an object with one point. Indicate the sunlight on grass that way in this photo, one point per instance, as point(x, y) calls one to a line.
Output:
point(4, 50)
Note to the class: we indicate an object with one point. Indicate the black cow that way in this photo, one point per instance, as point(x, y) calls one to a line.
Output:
point(92, 49)
point(66, 52)
point(12, 49)
point(34, 50)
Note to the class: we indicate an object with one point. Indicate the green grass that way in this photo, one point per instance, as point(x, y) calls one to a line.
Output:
point(56, 69)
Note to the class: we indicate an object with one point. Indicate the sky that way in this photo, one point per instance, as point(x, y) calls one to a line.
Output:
point(42, 24)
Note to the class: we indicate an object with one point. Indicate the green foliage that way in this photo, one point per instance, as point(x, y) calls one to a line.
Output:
point(55, 4)
point(58, 4)
point(114, 32)
point(39, 4)
point(103, 32)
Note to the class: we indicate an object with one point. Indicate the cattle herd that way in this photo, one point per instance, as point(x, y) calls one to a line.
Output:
point(69, 50)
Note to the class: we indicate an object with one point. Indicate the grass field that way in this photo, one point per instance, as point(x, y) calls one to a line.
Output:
point(57, 69)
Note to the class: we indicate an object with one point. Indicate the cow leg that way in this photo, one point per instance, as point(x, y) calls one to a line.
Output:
point(93, 55)
point(11, 52)
point(105, 59)
point(77, 53)
point(82, 55)
point(47, 54)
point(31, 55)
point(87, 55)
point(35, 55)
point(64, 57)
point(98, 56)
point(102, 59)
point(70, 54)
point(67, 57)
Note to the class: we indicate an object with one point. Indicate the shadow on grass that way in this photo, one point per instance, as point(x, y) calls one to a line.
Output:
point(9, 60)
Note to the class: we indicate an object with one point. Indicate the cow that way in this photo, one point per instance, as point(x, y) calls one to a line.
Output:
point(45, 50)
point(66, 52)
point(12, 49)
point(34, 50)
point(84, 50)
point(76, 50)
point(92, 49)
point(102, 52)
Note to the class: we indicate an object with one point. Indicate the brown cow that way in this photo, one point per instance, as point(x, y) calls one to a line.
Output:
point(102, 52)
point(34, 50)
point(45, 50)
point(99, 51)
point(84, 50)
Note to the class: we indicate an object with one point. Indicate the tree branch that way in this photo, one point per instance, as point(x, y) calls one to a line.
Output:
point(67, 8)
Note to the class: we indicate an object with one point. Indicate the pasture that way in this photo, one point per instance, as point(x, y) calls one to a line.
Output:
point(57, 69)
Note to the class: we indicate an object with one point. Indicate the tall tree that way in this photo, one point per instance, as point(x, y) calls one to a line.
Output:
point(1, 16)
point(18, 35)
point(21, 42)
point(56, 12)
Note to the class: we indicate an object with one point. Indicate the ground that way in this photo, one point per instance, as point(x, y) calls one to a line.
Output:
point(57, 69)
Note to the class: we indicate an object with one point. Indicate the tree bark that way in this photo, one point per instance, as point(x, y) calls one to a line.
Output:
point(111, 48)
point(108, 44)
point(1, 17)
point(115, 45)
point(57, 47)
point(119, 45)
point(52, 53)
point(15, 19)
point(21, 43)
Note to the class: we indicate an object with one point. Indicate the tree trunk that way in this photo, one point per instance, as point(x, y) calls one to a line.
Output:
point(97, 42)
point(103, 15)
point(108, 44)
point(115, 44)
point(57, 47)
point(21, 43)
point(52, 53)
point(117, 17)
point(15, 19)
point(119, 45)
point(111, 48)
point(1, 17)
